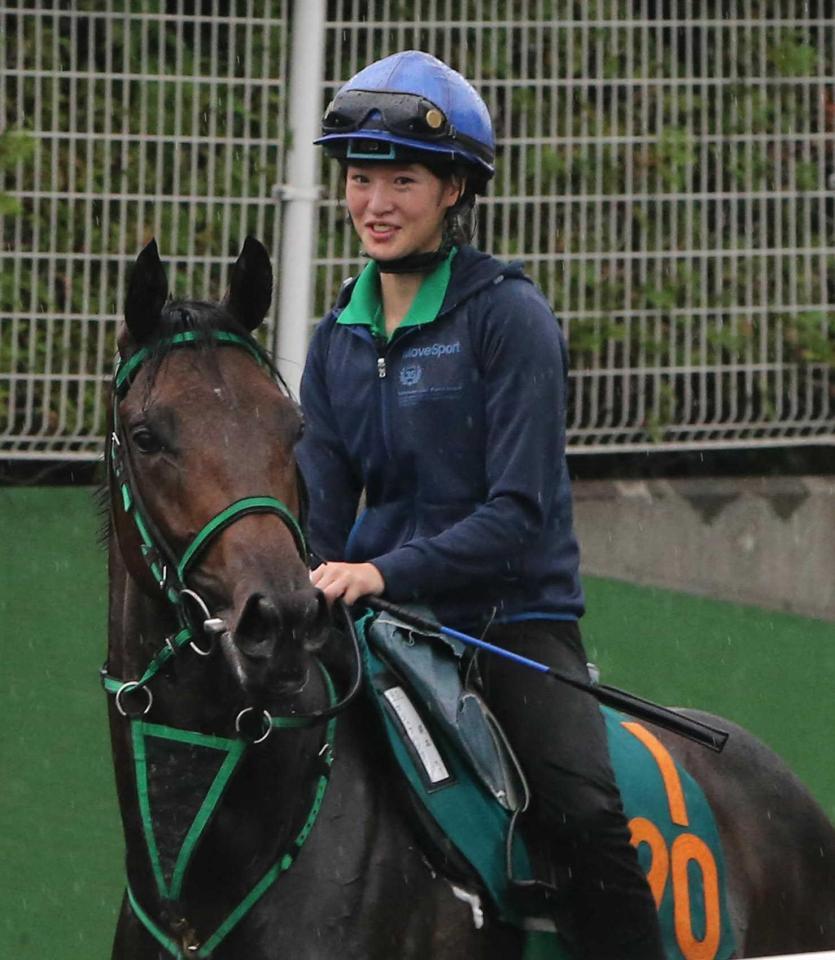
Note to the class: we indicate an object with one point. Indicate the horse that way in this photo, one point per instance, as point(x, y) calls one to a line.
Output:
point(260, 814)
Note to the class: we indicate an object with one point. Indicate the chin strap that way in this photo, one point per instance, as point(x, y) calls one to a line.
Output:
point(417, 262)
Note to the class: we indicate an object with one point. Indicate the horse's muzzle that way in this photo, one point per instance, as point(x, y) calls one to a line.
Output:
point(271, 637)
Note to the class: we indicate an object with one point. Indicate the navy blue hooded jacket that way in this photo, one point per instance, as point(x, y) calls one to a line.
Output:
point(455, 429)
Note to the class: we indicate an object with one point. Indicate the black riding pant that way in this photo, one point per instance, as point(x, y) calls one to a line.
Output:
point(559, 737)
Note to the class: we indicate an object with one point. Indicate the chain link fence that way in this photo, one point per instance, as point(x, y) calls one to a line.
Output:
point(663, 172)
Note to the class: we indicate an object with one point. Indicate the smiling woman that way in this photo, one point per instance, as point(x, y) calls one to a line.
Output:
point(437, 387)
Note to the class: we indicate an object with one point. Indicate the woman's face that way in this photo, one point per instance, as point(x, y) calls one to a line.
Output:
point(398, 209)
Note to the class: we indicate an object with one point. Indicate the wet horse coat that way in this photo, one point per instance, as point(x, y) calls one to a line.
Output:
point(205, 425)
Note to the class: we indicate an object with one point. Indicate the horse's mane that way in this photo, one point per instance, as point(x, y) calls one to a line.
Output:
point(101, 505)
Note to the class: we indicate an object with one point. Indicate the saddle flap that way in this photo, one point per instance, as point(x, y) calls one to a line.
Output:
point(429, 665)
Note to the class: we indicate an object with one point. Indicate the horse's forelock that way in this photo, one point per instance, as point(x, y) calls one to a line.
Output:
point(203, 318)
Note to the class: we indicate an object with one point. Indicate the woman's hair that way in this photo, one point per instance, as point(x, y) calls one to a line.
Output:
point(460, 221)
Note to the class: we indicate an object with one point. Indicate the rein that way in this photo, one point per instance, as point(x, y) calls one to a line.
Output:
point(170, 572)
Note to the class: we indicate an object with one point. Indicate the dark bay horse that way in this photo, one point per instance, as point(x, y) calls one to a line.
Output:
point(260, 818)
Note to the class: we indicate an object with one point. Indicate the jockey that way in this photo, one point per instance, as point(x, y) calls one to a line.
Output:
point(436, 386)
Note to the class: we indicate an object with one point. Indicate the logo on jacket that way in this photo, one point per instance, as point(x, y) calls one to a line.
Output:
point(433, 350)
point(411, 374)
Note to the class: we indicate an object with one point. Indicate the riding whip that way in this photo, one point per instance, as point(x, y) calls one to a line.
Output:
point(696, 730)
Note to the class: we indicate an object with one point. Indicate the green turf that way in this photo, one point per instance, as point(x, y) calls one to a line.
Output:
point(60, 841)
point(770, 672)
point(60, 845)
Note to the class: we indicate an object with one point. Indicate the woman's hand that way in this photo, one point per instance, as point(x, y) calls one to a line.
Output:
point(350, 581)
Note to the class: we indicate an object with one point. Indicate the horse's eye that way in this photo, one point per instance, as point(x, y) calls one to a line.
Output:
point(145, 441)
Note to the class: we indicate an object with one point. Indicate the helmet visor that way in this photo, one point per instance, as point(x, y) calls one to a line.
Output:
point(404, 114)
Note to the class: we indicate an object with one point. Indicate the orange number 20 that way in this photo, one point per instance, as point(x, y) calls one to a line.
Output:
point(685, 849)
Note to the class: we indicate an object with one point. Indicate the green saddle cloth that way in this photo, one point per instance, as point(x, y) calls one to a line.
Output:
point(671, 822)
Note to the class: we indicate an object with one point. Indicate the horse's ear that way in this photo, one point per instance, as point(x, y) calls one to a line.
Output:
point(147, 293)
point(251, 285)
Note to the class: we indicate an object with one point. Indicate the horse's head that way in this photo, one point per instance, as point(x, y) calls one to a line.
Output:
point(207, 494)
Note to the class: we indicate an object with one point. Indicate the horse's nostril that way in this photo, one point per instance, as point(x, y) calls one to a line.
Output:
point(258, 627)
point(323, 613)
point(301, 618)
point(317, 619)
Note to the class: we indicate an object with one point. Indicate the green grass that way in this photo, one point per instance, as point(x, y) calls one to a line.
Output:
point(60, 840)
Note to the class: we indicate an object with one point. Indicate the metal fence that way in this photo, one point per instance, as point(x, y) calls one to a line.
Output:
point(664, 173)
point(143, 120)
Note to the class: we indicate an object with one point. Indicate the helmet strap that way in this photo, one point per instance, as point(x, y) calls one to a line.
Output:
point(417, 262)
point(424, 262)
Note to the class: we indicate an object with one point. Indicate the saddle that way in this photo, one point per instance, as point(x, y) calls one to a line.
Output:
point(463, 778)
point(466, 794)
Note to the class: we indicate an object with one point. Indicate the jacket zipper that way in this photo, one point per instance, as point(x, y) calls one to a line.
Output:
point(381, 393)
point(383, 351)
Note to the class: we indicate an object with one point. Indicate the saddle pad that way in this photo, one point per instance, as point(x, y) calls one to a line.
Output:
point(671, 822)
point(678, 847)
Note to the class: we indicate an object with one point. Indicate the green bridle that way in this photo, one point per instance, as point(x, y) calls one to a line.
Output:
point(167, 569)
point(170, 571)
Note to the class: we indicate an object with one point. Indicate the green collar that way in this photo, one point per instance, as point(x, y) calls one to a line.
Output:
point(365, 306)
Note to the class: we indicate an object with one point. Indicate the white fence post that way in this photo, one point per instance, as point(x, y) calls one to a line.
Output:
point(300, 193)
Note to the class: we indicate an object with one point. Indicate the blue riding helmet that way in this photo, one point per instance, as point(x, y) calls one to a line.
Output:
point(409, 103)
